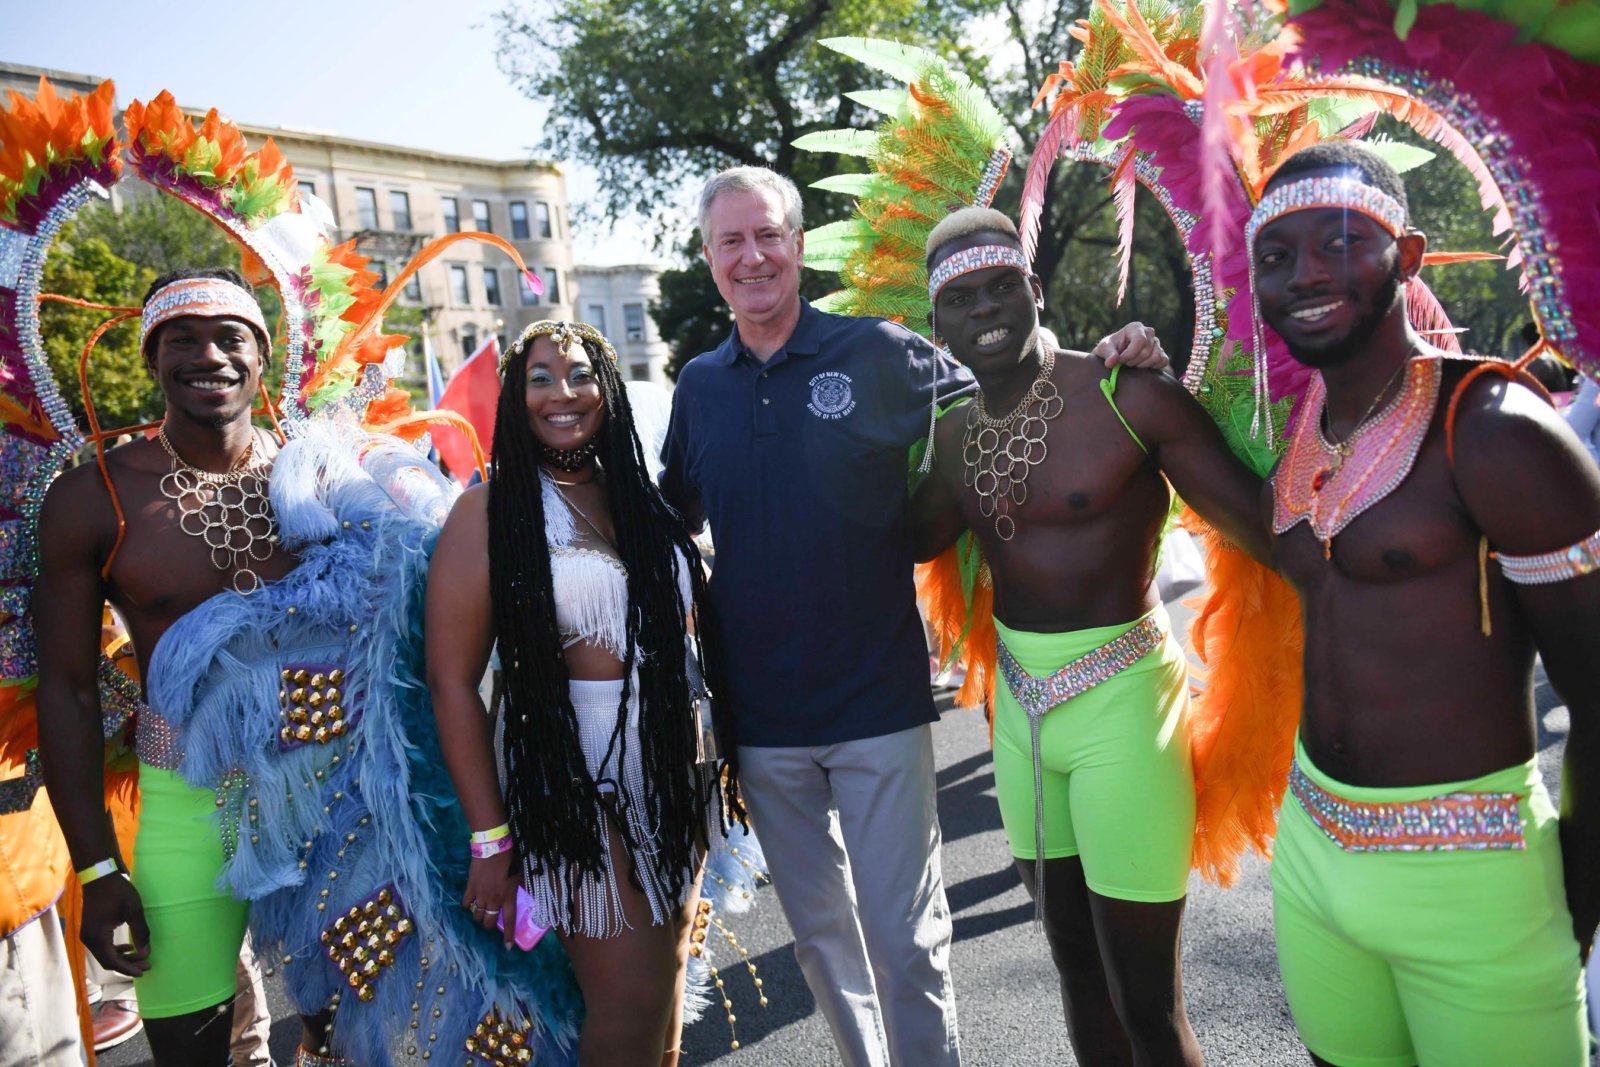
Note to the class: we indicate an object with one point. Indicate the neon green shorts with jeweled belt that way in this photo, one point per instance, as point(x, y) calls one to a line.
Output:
point(1427, 925)
point(1115, 783)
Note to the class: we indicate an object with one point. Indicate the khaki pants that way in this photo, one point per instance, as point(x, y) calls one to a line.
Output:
point(851, 837)
point(38, 1013)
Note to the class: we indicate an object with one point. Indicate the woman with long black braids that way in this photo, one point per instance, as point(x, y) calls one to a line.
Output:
point(587, 787)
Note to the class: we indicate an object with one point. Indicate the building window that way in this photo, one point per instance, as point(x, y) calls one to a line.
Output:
point(597, 317)
point(459, 293)
point(519, 220)
point(502, 340)
point(530, 299)
point(308, 188)
point(491, 286)
point(639, 372)
point(366, 208)
point(633, 321)
point(480, 216)
point(452, 215)
point(413, 290)
point(380, 267)
point(552, 285)
point(469, 339)
point(546, 220)
point(400, 208)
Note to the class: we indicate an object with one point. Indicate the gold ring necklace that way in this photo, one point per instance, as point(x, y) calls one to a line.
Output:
point(230, 512)
point(998, 453)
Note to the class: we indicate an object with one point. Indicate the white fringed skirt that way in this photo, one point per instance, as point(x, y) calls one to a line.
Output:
point(621, 775)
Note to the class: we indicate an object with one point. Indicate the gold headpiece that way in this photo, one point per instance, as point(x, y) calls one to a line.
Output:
point(566, 335)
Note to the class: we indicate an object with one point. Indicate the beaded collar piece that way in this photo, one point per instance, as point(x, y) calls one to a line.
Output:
point(979, 257)
point(208, 298)
point(1330, 485)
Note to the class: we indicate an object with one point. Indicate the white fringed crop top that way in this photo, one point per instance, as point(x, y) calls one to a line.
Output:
point(589, 582)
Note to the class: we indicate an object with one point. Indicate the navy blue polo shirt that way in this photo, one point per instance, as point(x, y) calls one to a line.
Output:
point(799, 465)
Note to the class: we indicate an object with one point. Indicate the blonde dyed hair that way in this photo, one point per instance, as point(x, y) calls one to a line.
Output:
point(966, 221)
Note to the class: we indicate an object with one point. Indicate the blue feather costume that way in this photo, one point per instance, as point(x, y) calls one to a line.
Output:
point(340, 821)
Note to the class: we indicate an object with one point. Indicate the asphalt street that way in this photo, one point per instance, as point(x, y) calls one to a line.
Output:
point(1006, 988)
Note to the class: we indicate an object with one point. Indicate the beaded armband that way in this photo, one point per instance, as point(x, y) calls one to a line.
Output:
point(1574, 561)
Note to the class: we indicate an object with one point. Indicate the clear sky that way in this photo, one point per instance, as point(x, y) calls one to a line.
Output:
point(413, 72)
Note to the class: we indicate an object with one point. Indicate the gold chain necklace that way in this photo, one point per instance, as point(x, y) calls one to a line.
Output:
point(998, 453)
point(1343, 450)
point(587, 520)
point(230, 512)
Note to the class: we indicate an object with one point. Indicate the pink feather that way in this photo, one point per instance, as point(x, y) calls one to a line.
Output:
point(1061, 129)
point(1428, 317)
point(1124, 186)
point(1220, 50)
point(1359, 128)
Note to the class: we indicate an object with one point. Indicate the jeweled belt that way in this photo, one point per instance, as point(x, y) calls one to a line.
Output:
point(1450, 822)
point(1038, 695)
point(155, 742)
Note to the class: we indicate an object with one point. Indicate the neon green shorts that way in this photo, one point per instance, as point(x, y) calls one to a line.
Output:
point(196, 929)
point(1117, 779)
point(1458, 958)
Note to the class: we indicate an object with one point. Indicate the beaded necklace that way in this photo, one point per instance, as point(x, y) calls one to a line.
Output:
point(1330, 485)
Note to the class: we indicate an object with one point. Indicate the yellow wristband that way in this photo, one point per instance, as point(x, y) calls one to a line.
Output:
point(483, 837)
point(97, 872)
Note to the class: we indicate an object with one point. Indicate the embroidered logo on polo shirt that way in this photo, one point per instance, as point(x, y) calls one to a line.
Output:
point(830, 395)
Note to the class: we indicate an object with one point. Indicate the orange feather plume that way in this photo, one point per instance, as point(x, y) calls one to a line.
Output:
point(48, 130)
point(1246, 710)
point(944, 604)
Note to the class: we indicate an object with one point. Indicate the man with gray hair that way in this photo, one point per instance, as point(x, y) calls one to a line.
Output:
point(791, 439)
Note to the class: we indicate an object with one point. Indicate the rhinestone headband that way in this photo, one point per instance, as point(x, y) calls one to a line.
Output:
point(209, 298)
point(981, 257)
point(1311, 193)
point(566, 335)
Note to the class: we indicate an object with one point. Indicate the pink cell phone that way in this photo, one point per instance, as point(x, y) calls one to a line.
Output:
point(528, 931)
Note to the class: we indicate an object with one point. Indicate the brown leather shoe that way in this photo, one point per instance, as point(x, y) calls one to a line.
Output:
point(115, 1021)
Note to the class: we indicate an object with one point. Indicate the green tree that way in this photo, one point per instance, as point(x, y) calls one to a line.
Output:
point(86, 268)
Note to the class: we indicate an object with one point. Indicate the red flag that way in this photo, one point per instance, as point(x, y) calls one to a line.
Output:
point(474, 393)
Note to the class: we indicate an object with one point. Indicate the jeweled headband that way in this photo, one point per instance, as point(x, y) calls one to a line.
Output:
point(1307, 194)
point(209, 298)
point(566, 335)
point(979, 257)
point(1310, 193)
